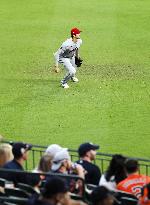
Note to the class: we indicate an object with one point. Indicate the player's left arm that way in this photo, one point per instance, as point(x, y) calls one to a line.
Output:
point(77, 50)
point(78, 60)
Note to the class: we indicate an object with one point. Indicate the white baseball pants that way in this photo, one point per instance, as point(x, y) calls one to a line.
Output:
point(70, 67)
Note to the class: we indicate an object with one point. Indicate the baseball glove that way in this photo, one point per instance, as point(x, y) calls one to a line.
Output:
point(56, 69)
point(78, 61)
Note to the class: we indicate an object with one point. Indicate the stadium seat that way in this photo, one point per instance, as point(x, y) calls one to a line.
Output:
point(12, 201)
point(8, 203)
point(2, 182)
point(126, 198)
point(27, 188)
point(16, 192)
point(90, 187)
point(2, 194)
point(88, 190)
point(76, 196)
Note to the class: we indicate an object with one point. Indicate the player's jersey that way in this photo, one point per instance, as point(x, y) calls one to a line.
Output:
point(133, 184)
point(68, 49)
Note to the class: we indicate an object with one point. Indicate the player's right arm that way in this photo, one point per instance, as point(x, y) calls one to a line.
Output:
point(57, 56)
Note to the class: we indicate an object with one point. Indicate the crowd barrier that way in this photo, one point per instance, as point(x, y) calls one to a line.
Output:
point(102, 159)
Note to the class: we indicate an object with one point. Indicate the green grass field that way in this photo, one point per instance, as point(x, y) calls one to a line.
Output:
point(111, 104)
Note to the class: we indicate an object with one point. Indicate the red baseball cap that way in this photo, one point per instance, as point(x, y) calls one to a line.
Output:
point(75, 31)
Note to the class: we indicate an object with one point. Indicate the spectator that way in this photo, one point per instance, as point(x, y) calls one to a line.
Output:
point(145, 197)
point(5, 154)
point(134, 182)
point(115, 173)
point(87, 153)
point(102, 196)
point(20, 152)
point(62, 164)
point(55, 192)
point(45, 164)
point(53, 149)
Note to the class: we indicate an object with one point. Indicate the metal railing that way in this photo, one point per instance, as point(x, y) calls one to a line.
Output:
point(102, 159)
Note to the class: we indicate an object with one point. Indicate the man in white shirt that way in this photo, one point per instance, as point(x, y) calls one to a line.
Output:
point(66, 55)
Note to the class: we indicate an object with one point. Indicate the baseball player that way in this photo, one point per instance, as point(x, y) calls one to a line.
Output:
point(68, 55)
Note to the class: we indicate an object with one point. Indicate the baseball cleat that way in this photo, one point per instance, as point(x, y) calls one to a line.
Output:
point(65, 85)
point(74, 79)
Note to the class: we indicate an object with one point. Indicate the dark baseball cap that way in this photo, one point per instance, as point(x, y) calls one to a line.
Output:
point(85, 147)
point(19, 148)
point(99, 194)
point(53, 186)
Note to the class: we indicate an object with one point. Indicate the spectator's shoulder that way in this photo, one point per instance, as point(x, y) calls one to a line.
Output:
point(120, 184)
point(7, 165)
point(95, 166)
point(79, 161)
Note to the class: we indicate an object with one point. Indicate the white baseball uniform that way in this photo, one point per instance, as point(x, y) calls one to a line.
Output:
point(66, 56)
